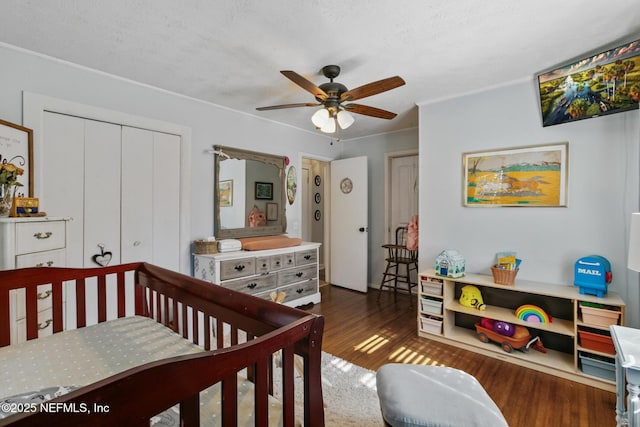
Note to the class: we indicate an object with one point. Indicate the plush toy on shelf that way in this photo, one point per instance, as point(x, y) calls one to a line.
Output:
point(472, 298)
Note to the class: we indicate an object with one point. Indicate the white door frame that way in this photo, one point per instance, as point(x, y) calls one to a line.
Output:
point(33, 109)
point(388, 157)
point(326, 197)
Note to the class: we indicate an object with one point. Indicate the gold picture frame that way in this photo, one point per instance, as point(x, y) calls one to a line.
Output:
point(16, 146)
point(533, 176)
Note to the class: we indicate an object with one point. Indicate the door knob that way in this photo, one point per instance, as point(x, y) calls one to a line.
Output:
point(363, 229)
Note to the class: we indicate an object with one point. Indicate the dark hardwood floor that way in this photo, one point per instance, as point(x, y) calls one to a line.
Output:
point(370, 333)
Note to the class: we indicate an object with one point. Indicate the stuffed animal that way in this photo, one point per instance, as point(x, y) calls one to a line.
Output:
point(471, 297)
point(257, 218)
point(412, 234)
point(504, 328)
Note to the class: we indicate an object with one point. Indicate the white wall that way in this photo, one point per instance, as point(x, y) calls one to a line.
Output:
point(210, 124)
point(603, 189)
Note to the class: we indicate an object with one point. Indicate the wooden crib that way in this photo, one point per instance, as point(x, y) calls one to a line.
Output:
point(236, 335)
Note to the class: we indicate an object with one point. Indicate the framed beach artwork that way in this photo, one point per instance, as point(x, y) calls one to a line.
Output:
point(225, 193)
point(524, 176)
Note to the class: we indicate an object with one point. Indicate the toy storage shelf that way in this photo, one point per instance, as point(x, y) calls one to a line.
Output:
point(565, 351)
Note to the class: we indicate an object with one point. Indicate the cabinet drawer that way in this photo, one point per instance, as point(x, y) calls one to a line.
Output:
point(306, 257)
point(44, 300)
point(39, 236)
point(45, 326)
point(288, 260)
point(253, 285)
point(299, 290)
point(297, 274)
point(233, 268)
point(277, 262)
point(263, 264)
point(55, 258)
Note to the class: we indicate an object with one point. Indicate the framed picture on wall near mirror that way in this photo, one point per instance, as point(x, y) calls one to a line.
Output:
point(264, 191)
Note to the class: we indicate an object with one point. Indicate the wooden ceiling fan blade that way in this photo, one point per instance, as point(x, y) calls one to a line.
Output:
point(372, 88)
point(369, 111)
point(305, 84)
point(279, 107)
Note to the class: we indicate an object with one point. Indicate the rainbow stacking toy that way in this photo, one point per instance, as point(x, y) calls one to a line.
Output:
point(532, 313)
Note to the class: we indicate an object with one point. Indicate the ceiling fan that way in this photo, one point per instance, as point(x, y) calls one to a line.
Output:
point(336, 99)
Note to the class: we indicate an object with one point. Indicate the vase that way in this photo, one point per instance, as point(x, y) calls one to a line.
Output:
point(6, 199)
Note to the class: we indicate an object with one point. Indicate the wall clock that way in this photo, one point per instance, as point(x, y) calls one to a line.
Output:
point(317, 180)
point(317, 215)
point(346, 186)
point(317, 197)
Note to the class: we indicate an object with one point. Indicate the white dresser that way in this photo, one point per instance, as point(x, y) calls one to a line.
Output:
point(32, 242)
point(292, 270)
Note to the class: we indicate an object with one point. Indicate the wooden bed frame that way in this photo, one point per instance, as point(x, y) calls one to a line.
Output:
point(265, 327)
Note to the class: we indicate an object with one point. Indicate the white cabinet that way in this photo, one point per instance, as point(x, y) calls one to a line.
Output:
point(441, 317)
point(292, 271)
point(32, 242)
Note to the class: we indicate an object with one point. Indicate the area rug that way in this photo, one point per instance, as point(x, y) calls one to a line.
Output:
point(349, 393)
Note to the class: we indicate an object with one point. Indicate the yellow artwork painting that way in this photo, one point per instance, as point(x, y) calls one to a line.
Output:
point(225, 193)
point(525, 176)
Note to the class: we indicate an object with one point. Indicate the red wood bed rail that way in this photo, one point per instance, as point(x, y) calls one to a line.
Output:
point(178, 302)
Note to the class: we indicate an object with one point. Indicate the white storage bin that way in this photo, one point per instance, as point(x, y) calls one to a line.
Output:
point(431, 306)
point(431, 288)
point(430, 324)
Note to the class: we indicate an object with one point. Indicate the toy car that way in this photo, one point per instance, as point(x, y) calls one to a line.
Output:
point(521, 339)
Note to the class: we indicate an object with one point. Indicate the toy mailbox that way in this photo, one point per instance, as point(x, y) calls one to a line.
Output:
point(592, 275)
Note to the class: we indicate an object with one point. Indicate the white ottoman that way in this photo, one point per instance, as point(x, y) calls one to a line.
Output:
point(434, 396)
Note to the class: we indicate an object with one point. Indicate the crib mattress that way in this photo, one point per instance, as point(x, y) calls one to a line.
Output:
point(79, 357)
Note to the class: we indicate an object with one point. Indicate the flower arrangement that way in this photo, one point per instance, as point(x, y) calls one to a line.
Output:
point(9, 174)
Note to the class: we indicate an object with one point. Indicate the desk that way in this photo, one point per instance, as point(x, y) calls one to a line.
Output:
point(627, 343)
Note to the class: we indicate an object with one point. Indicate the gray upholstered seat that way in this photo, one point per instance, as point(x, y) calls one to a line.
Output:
point(434, 396)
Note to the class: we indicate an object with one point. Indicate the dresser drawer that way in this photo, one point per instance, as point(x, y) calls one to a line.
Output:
point(45, 326)
point(296, 274)
point(276, 261)
point(55, 258)
point(299, 290)
point(288, 260)
point(233, 268)
point(44, 300)
point(263, 264)
point(39, 236)
point(306, 257)
point(253, 285)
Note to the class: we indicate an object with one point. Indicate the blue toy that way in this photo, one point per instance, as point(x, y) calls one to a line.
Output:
point(592, 275)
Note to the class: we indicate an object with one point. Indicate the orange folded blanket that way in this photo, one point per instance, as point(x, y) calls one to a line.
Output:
point(269, 242)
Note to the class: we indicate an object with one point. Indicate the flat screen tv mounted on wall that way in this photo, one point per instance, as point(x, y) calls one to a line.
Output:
point(605, 83)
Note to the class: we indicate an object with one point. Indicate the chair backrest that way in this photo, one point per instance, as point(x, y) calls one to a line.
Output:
point(401, 250)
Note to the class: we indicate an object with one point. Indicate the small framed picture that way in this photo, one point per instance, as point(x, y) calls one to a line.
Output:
point(272, 211)
point(264, 191)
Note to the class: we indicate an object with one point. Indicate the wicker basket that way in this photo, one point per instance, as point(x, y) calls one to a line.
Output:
point(503, 277)
point(205, 247)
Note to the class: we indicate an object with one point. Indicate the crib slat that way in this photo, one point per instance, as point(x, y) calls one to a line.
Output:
point(121, 296)
point(56, 306)
point(81, 305)
point(5, 335)
point(288, 400)
point(102, 298)
point(207, 333)
point(261, 392)
point(194, 326)
point(190, 411)
point(229, 387)
point(185, 322)
point(31, 306)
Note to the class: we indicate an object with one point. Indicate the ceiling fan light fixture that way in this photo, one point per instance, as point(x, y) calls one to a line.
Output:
point(330, 126)
point(345, 119)
point(320, 118)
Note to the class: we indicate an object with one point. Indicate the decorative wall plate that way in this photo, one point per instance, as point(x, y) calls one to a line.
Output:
point(346, 186)
point(292, 184)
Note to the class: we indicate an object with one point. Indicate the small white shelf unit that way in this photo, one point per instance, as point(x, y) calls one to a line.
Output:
point(443, 318)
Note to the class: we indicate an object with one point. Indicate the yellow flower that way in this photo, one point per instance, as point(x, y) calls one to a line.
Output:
point(9, 174)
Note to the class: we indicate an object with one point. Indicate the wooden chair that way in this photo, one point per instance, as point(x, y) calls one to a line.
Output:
point(400, 263)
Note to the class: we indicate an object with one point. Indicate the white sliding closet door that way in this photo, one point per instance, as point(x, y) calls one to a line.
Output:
point(137, 200)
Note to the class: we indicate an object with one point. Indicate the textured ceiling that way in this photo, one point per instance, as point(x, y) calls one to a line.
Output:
point(230, 52)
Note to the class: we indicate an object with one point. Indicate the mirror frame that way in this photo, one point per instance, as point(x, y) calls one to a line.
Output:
point(221, 153)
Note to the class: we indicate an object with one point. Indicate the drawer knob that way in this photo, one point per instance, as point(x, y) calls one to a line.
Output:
point(44, 235)
point(42, 264)
point(44, 295)
point(252, 285)
point(299, 274)
point(299, 290)
point(307, 257)
point(44, 325)
point(239, 267)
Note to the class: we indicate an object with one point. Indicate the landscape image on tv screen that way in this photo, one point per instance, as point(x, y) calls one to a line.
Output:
point(606, 83)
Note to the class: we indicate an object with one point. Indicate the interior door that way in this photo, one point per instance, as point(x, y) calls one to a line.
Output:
point(349, 223)
point(403, 197)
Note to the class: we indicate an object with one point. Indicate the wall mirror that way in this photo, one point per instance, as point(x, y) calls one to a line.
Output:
point(246, 181)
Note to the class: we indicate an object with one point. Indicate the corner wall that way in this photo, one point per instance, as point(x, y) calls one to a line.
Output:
point(603, 189)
